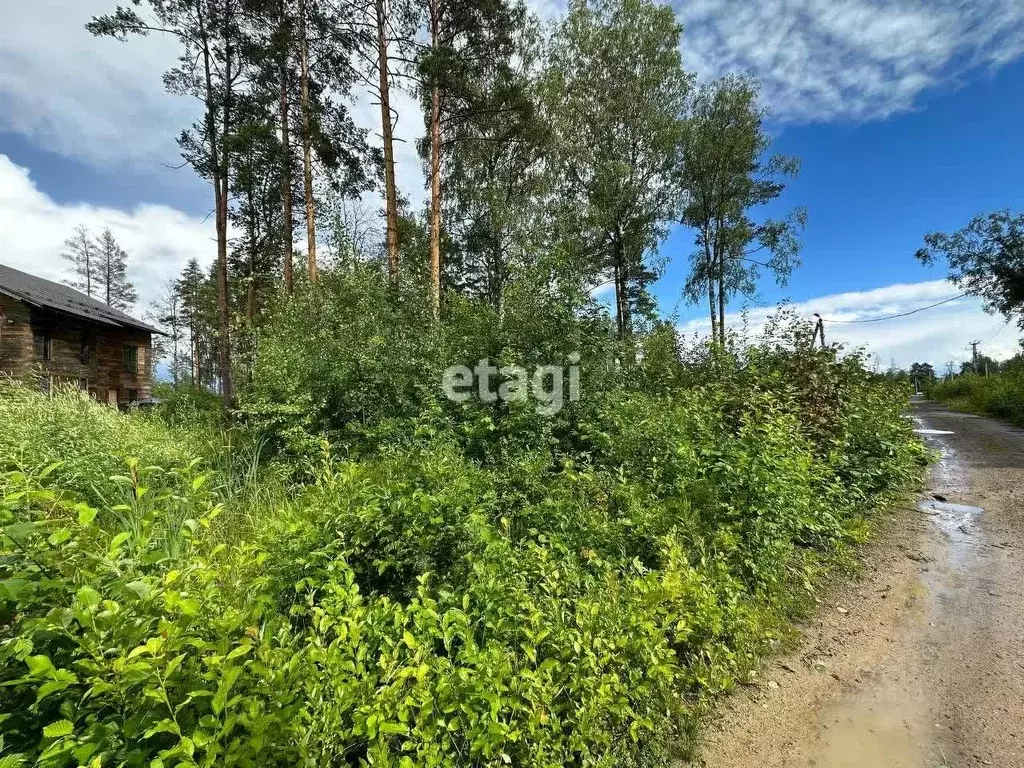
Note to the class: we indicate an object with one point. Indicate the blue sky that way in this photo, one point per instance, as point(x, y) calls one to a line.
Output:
point(873, 189)
point(907, 117)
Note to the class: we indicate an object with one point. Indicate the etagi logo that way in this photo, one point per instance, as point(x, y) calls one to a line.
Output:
point(546, 385)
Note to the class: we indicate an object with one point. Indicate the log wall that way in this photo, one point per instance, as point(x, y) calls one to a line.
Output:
point(100, 370)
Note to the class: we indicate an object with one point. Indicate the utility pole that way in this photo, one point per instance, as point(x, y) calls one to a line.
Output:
point(819, 330)
point(974, 355)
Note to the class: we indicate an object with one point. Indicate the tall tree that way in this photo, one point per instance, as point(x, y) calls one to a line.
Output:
point(255, 257)
point(722, 174)
point(986, 259)
point(114, 287)
point(80, 252)
point(282, 45)
point(615, 90)
point(166, 312)
point(464, 37)
point(387, 135)
point(197, 300)
point(494, 174)
point(209, 69)
point(304, 50)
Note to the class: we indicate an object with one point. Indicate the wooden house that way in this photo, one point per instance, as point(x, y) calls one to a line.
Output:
point(51, 333)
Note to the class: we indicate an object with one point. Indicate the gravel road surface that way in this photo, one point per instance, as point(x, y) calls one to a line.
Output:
point(919, 663)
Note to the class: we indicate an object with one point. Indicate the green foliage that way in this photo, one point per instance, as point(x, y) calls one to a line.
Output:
point(359, 363)
point(1000, 395)
point(986, 259)
point(479, 588)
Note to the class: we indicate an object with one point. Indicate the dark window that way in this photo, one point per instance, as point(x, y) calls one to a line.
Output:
point(44, 346)
point(133, 395)
point(130, 359)
point(83, 384)
point(86, 353)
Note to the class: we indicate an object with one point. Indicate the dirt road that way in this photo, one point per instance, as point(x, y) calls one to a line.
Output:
point(920, 663)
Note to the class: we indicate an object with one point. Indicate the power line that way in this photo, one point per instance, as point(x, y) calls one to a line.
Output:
point(894, 317)
point(999, 331)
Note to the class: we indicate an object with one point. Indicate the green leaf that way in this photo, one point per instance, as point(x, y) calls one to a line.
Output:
point(86, 514)
point(13, 589)
point(49, 470)
point(40, 666)
point(117, 541)
point(221, 697)
point(59, 729)
point(52, 687)
point(88, 597)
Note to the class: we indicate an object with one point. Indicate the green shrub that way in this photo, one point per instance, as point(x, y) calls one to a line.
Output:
point(1000, 395)
point(472, 585)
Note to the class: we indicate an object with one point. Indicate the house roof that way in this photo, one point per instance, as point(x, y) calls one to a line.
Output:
point(62, 298)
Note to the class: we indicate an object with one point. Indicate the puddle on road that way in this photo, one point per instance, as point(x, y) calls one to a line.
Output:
point(957, 522)
point(885, 719)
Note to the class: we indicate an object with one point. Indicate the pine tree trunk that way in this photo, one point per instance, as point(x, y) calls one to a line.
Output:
point(435, 200)
point(435, 167)
point(286, 175)
point(221, 166)
point(387, 132)
point(307, 146)
point(223, 315)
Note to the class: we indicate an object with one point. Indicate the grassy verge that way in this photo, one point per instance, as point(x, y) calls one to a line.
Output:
point(999, 395)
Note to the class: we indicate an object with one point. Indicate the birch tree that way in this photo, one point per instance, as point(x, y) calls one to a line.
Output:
point(615, 90)
point(723, 175)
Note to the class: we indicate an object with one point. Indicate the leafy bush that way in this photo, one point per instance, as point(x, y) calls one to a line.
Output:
point(471, 586)
point(359, 362)
point(1000, 395)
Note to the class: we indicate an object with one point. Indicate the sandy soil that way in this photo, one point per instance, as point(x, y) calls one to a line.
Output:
point(920, 663)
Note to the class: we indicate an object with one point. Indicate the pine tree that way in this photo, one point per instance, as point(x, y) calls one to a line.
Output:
point(81, 253)
point(115, 289)
point(210, 68)
point(494, 174)
point(191, 289)
point(465, 36)
point(166, 312)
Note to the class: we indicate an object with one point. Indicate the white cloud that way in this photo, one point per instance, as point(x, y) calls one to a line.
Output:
point(822, 60)
point(103, 102)
point(938, 335)
point(92, 99)
point(33, 227)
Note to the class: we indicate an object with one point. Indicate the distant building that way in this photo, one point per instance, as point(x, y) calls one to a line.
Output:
point(55, 334)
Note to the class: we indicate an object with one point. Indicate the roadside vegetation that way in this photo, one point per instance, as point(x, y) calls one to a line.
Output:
point(998, 394)
point(355, 570)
